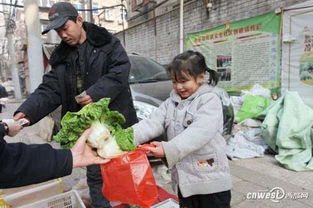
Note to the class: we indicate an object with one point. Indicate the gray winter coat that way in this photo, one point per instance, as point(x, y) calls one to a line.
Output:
point(195, 151)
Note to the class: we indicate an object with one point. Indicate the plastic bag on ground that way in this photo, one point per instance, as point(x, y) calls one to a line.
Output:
point(246, 144)
point(252, 107)
point(258, 90)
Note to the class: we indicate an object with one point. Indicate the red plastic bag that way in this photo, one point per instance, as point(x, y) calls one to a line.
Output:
point(129, 179)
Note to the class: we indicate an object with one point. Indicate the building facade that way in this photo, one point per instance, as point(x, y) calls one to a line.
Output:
point(110, 14)
point(154, 25)
point(12, 21)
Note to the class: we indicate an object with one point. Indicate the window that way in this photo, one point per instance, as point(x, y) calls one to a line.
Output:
point(108, 15)
point(95, 6)
point(43, 26)
point(78, 6)
point(43, 3)
point(122, 16)
point(51, 2)
point(138, 2)
point(144, 69)
point(46, 3)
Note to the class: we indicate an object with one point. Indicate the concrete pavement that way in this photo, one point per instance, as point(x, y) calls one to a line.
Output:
point(257, 182)
point(254, 178)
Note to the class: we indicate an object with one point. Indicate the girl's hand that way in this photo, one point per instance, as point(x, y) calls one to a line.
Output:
point(157, 150)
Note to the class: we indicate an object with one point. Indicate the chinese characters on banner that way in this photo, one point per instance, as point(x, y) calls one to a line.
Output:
point(244, 53)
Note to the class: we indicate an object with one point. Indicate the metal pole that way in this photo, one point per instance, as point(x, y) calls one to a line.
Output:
point(91, 15)
point(34, 49)
point(181, 27)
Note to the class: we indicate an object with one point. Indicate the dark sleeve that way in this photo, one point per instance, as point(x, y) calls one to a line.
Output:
point(22, 164)
point(2, 130)
point(45, 99)
point(116, 80)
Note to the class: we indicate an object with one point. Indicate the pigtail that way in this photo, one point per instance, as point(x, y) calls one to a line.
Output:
point(213, 79)
point(192, 62)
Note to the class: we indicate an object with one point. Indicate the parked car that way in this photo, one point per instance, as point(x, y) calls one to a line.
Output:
point(149, 83)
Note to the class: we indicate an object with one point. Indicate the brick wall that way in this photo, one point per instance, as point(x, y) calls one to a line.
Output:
point(158, 37)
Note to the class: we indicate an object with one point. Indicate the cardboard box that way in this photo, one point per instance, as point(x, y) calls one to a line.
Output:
point(15, 197)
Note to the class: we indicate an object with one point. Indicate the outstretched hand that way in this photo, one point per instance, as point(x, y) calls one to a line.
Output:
point(14, 127)
point(20, 116)
point(82, 153)
point(156, 148)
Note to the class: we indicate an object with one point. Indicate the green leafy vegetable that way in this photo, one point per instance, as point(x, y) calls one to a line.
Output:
point(75, 123)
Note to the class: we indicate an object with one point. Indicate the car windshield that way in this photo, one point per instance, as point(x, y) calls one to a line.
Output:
point(145, 70)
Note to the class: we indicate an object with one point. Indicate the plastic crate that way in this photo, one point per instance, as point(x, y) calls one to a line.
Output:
point(21, 196)
point(69, 199)
point(168, 203)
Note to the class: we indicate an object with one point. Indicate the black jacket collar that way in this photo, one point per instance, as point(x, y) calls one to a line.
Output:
point(96, 36)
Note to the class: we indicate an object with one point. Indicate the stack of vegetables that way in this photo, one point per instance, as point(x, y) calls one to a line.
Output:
point(107, 135)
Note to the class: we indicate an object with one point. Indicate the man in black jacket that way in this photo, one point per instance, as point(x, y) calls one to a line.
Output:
point(22, 164)
point(89, 64)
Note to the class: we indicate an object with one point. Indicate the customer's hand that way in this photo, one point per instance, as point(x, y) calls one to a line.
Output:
point(82, 153)
point(21, 115)
point(14, 126)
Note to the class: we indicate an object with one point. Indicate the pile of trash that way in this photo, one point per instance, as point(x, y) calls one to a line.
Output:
point(282, 126)
point(246, 140)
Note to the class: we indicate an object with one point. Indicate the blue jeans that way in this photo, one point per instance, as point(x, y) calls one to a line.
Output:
point(94, 181)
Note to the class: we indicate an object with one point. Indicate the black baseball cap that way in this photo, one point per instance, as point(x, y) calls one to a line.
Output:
point(59, 14)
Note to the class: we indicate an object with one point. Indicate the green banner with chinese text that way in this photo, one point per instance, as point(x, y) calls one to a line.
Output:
point(244, 52)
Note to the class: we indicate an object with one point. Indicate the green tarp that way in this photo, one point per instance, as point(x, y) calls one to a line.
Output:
point(287, 129)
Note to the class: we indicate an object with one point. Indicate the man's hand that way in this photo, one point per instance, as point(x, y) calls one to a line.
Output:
point(21, 115)
point(84, 100)
point(14, 126)
point(82, 153)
